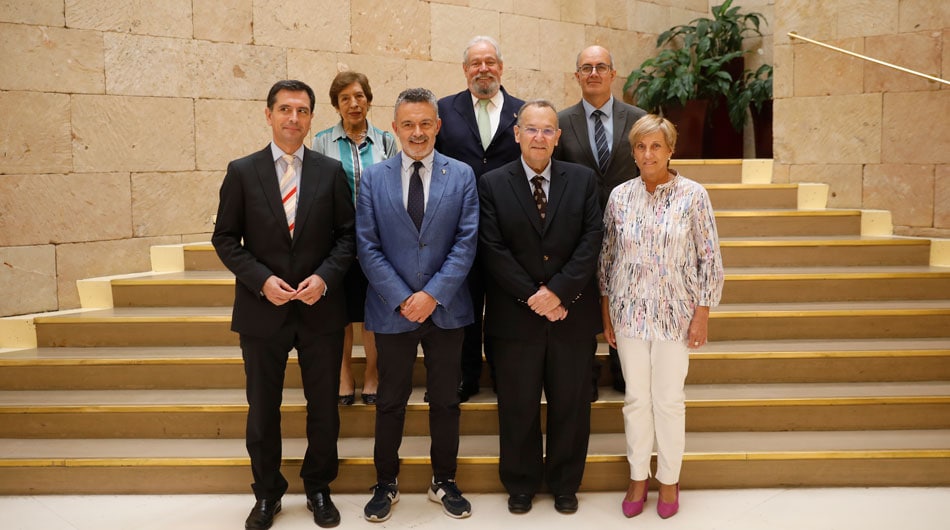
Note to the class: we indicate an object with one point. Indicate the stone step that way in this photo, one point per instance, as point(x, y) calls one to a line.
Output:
point(210, 326)
point(744, 252)
point(743, 285)
point(150, 367)
point(744, 196)
point(824, 251)
point(712, 460)
point(785, 223)
point(220, 413)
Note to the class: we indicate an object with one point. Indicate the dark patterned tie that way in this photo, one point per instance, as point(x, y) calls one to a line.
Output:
point(539, 198)
point(416, 204)
point(600, 138)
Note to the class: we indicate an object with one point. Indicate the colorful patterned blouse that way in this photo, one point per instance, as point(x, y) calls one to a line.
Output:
point(660, 258)
point(376, 147)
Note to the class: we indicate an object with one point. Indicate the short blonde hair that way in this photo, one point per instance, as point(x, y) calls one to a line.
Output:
point(651, 123)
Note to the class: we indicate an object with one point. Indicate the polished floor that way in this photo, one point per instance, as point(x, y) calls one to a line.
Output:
point(752, 509)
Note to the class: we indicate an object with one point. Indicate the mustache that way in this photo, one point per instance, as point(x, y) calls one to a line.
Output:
point(419, 138)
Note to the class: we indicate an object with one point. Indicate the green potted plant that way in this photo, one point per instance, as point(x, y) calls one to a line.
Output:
point(752, 95)
point(701, 66)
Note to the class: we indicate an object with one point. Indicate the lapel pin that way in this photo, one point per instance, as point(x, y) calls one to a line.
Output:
point(443, 171)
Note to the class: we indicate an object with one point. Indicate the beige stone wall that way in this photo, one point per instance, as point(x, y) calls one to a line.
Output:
point(120, 116)
point(880, 138)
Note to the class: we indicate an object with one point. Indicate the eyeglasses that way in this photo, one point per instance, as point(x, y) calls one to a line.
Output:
point(601, 68)
point(533, 131)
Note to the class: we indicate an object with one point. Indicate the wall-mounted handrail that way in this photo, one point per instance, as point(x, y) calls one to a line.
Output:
point(794, 35)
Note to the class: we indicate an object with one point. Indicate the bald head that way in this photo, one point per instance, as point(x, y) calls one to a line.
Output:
point(595, 73)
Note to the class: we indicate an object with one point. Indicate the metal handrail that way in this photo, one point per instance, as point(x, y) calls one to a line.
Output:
point(794, 35)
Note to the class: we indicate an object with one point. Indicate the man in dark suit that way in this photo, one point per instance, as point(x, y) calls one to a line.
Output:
point(285, 229)
point(612, 160)
point(417, 230)
point(477, 128)
point(539, 241)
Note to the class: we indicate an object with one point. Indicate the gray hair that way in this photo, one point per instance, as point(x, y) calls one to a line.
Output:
point(478, 39)
point(538, 103)
point(416, 95)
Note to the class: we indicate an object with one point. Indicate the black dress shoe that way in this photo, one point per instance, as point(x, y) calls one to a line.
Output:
point(466, 391)
point(347, 399)
point(262, 514)
point(565, 503)
point(325, 513)
point(368, 399)
point(519, 503)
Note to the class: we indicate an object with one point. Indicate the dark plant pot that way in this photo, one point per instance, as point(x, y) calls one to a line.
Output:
point(721, 140)
point(690, 122)
point(762, 124)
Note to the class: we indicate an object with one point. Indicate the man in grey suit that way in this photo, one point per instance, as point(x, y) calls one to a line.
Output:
point(599, 141)
point(417, 230)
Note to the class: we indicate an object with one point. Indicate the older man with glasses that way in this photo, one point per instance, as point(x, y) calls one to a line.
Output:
point(539, 238)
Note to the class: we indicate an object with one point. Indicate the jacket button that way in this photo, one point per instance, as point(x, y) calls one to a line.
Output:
point(546, 257)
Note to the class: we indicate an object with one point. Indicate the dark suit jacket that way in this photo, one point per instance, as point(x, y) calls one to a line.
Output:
point(459, 138)
point(400, 260)
point(252, 240)
point(574, 145)
point(518, 254)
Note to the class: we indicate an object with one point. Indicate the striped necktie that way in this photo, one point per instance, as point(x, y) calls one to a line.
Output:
point(600, 138)
point(288, 192)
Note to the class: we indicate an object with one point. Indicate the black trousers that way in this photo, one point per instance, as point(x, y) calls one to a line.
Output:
point(472, 345)
point(396, 356)
point(265, 362)
point(562, 369)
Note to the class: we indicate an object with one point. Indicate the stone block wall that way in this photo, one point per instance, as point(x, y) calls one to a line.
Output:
point(879, 137)
point(120, 116)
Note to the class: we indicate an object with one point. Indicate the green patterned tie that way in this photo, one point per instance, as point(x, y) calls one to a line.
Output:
point(484, 123)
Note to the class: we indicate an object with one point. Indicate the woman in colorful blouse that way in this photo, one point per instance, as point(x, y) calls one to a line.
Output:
point(356, 144)
point(660, 272)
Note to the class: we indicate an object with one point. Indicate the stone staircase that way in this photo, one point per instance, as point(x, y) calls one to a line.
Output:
point(829, 365)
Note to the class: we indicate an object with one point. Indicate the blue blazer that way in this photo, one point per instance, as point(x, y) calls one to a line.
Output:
point(399, 260)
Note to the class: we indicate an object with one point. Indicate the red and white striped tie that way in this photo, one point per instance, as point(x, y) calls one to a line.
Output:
point(288, 192)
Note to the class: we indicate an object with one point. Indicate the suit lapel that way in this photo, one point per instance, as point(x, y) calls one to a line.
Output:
point(557, 190)
point(620, 125)
point(267, 175)
point(579, 128)
point(305, 190)
point(463, 105)
point(522, 192)
point(437, 183)
point(509, 114)
point(394, 190)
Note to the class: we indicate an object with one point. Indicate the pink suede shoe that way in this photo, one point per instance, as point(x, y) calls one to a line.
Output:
point(668, 509)
point(634, 508)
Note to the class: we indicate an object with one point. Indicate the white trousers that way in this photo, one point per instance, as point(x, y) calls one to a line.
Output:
point(654, 407)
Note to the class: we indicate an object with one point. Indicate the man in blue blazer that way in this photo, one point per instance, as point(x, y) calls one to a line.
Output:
point(478, 125)
point(417, 230)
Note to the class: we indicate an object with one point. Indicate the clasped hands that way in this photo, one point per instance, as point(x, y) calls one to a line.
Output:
point(309, 291)
point(418, 307)
point(547, 304)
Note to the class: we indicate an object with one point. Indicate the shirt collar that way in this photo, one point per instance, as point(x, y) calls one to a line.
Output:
point(546, 174)
point(373, 135)
point(426, 162)
point(496, 101)
point(277, 152)
point(606, 108)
